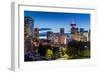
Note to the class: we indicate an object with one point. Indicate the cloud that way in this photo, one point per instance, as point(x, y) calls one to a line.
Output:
point(43, 29)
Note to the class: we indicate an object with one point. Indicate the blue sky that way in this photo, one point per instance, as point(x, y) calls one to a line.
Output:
point(55, 20)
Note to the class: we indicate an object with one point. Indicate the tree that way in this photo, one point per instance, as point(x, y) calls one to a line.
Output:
point(73, 48)
point(49, 54)
point(56, 53)
point(78, 49)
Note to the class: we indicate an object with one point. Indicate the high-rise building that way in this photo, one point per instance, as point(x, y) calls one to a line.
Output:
point(36, 37)
point(74, 29)
point(75, 35)
point(62, 31)
point(29, 24)
point(49, 35)
point(86, 36)
point(56, 38)
point(63, 39)
point(28, 32)
point(36, 33)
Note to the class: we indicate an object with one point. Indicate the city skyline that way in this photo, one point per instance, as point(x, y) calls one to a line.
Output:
point(56, 20)
point(56, 43)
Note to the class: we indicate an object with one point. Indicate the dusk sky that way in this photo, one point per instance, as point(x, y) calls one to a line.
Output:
point(55, 20)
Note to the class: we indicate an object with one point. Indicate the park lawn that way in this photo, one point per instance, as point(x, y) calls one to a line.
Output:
point(85, 53)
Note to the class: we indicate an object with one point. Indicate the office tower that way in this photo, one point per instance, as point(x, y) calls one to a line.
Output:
point(29, 24)
point(73, 28)
point(56, 38)
point(28, 32)
point(49, 35)
point(62, 31)
point(63, 39)
point(75, 35)
point(36, 37)
point(85, 36)
point(36, 33)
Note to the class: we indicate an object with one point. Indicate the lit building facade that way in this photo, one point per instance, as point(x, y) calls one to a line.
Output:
point(81, 35)
point(28, 25)
point(85, 36)
point(49, 35)
point(63, 39)
point(75, 35)
point(36, 37)
point(28, 33)
point(57, 38)
point(36, 33)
